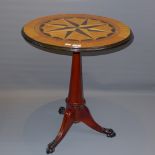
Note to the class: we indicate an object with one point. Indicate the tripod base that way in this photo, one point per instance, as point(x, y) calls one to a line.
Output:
point(76, 114)
point(76, 110)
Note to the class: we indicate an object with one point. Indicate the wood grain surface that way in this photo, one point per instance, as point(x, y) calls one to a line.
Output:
point(76, 32)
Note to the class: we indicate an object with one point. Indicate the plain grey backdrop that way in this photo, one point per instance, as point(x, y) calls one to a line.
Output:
point(119, 87)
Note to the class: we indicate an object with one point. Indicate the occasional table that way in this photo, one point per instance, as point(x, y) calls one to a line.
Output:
point(77, 34)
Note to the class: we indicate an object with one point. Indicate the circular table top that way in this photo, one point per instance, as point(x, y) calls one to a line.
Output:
point(76, 32)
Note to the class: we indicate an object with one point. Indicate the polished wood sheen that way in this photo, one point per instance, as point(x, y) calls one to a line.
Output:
point(76, 111)
point(75, 95)
point(76, 32)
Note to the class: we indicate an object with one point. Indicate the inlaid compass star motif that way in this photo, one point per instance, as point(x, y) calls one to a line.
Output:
point(78, 29)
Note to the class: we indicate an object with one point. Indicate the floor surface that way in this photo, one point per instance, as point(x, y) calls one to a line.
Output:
point(29, 120)
point(119, 87)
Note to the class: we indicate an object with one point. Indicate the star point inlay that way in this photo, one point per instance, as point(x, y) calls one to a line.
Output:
point(77, 28)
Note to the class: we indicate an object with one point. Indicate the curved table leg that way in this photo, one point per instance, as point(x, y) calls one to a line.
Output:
point(76, 111)
point(66, 124)
point(89, 121)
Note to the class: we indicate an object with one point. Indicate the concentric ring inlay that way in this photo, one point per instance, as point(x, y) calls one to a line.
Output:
point(76, 32)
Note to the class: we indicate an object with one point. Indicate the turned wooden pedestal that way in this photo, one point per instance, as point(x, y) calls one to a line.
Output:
point(76, 33)
point(76, 110)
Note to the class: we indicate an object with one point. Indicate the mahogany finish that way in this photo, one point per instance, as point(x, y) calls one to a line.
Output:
point(76, 110)
point(76, 33)
point(75, 95)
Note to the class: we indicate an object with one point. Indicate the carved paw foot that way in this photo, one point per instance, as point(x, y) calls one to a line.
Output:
point(61, 110)
point(51, 147)
point(110, 133)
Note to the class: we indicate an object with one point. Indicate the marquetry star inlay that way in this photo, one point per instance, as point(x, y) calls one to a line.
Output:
point(77, 29)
